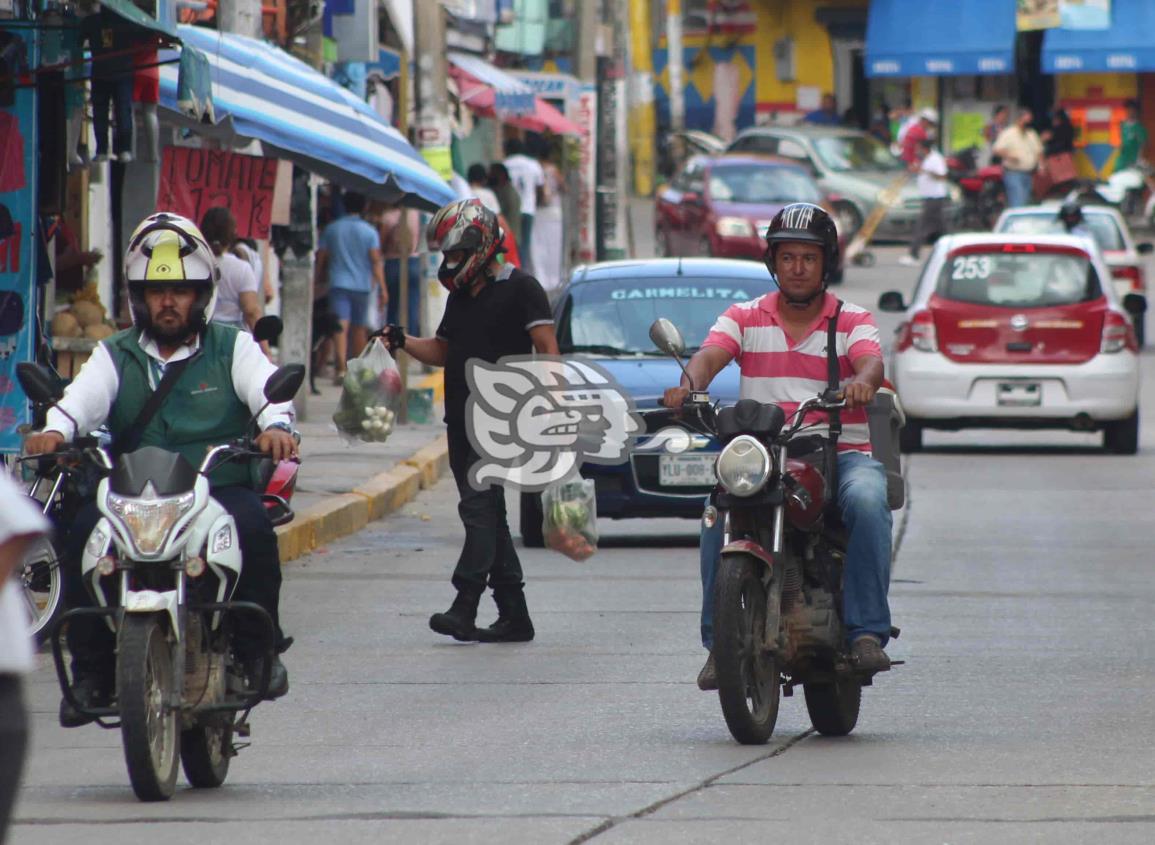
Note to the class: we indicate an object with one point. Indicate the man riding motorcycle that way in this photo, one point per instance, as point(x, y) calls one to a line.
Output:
point(1072, 219)
point(779, 341)
point(218, 383)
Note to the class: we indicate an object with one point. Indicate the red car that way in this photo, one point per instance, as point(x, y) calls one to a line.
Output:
point(721, 205)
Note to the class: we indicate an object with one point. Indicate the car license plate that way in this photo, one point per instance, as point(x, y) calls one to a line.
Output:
point(1020, 394)
point(686, 470)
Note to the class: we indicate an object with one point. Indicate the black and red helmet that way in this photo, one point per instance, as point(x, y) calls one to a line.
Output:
point(464, 226)
point(808, 223)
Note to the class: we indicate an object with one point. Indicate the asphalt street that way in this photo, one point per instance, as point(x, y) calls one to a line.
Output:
point(1023, 712)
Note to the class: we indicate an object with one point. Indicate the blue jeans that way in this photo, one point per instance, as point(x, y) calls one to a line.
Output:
point(1018, 184)
point(866, 579)
point(393, 285)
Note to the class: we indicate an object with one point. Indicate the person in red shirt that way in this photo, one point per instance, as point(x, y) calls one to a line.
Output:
point(924, 130)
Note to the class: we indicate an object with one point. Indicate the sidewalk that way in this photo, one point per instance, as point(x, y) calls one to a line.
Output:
point(342, 487)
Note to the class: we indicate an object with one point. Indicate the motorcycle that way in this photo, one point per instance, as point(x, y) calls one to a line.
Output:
point(982, 187)
point(778, 589)
point(162, 565)
point(1123, 189)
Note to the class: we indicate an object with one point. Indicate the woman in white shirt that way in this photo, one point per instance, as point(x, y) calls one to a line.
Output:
point(548, 236)
point(238, 292)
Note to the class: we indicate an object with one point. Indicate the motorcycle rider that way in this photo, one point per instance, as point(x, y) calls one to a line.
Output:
point(172, 277)
point(779, 341)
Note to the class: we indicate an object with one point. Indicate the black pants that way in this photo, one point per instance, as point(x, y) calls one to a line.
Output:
point(89, 639)
point(13, 742)
point(488, 556)
point(116, 93)
point(930, 224)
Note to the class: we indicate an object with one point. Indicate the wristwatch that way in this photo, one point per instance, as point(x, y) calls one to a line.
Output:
point(285, 427)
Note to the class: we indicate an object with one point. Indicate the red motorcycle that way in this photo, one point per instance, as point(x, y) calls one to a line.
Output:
point(984, 197)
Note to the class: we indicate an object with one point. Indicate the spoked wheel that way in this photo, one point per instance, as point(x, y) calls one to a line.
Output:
point(748, 683)
point(148, 725)
point(834, 707)
point(40, 581)
point(205, 752)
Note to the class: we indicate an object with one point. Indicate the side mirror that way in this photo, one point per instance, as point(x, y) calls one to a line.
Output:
point(38, 383)
point(667, 338)
point(268, 328)
point(891, 301)
point(1135, 304)
point(283, 385)
point(1145, 248)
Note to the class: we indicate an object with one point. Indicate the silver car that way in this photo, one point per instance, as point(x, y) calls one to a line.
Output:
point(852, 165)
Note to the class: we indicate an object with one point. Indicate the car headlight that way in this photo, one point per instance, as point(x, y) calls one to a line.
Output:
point(149, 521)
point(734, 227)
point(744, 466)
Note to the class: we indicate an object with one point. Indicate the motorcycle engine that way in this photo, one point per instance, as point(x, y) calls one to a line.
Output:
point(815, 628)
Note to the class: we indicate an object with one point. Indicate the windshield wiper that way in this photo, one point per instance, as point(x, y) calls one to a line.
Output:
point(600, 349)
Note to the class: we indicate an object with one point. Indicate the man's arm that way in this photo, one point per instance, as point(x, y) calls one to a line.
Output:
point(428, 350)
point(251, 369)
point(544, 339)
point(250, 307)
point(868, 371)
point(706, 363)
point(378, 259)
point(87, 400)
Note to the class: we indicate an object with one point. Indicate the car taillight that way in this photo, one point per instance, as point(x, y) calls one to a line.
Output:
point(1118, 334)
point(1134, 275)
point(919, 333)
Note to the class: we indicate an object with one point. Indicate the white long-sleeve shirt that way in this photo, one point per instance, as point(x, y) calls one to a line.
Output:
point(90, 396)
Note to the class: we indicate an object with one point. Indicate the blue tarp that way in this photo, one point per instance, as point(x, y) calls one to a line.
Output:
point(922, 38)
point(1129, 44)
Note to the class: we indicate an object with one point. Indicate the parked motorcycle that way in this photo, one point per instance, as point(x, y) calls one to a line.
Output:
point(778, 589)
point(984, 197)
point(162, 565)
point(1124, 189)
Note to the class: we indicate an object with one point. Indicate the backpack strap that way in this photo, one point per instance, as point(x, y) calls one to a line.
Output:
point(130, 440)
point(833, 374)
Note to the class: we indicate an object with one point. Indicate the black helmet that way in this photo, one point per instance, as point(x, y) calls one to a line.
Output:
point(807, 222)
point(1071, 214)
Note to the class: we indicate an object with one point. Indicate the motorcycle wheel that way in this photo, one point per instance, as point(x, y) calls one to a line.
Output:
point(205, 752)
point(530, 521)
point(748, 683)
point(833, 708)
point(40, 581)
point(148, 725)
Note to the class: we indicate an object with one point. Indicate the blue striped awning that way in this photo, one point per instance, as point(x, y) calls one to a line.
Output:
point(956, 38)
point(1124, 47)
point(261, 92)
point(514, 98)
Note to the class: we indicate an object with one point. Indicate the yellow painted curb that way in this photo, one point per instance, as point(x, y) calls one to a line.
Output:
point(344, 513)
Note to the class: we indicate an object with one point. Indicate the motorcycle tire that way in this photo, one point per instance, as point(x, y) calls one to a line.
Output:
point(749, 687)
point(833, 707)
point(43, 588)
point(530, 521)
point(148, 726)
point(205, 752)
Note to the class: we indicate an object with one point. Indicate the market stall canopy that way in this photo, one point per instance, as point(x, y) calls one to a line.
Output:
point(491, 92)
point(959, 38)
point(1126, 46)
point(261, 92)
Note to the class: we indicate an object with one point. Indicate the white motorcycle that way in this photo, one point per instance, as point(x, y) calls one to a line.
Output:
point(162, 564)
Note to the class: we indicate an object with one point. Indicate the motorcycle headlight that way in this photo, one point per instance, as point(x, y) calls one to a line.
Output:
point(150, 521)
point(734, 227)
point(744, 466)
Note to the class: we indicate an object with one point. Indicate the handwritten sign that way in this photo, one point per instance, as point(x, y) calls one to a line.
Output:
point(193, 180)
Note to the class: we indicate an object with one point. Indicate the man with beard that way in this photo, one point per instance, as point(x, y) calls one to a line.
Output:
point(779, 341)
point(214, 377)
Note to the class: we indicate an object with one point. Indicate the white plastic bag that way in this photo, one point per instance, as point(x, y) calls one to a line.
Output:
point(570, 521)
point(370, 396)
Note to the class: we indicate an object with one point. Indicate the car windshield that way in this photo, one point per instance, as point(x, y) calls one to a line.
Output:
point(762, 184)
point(1103, 227)
point(1019, 279)
point(613, 316)
point(855, 152)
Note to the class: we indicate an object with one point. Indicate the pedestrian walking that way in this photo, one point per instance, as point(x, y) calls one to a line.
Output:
point(238, 291)
point(349, 260)
point(548, 236)
point(826, 114)
point(494, 310)
point(1057, 170)
point(20, 525)
point(507, 197)
point(479, 187)
point(923, 130)
point(399, 243)
point(1000, 119)
point(932, 190)
point(1020, 149)
point(1133, 138)
point(529, 179)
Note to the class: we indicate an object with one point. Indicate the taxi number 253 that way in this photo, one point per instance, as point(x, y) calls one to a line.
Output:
point(971, 267)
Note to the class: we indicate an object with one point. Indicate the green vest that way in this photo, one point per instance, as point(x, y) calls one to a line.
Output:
point(202, 410)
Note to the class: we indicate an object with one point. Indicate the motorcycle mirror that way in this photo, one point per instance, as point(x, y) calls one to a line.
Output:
point(283, 385)
point(268, 328)
point(1135, 304)
point(891, 301)
point(666, 337)
point(38, 384)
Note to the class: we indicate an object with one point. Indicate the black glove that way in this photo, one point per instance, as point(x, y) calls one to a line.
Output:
point(394, 337)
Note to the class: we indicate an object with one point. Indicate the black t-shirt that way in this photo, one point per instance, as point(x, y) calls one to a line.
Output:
point(489, 326)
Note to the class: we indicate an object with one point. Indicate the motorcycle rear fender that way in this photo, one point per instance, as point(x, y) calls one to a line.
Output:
point(749, 547)
point(150, 601)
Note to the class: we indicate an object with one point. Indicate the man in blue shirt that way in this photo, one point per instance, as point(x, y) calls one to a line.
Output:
point(349, 258)
point(825, 116)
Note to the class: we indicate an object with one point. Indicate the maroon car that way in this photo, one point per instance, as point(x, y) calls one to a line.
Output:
point(721, 205)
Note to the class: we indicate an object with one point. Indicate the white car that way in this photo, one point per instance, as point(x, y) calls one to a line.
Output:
point(1017, 331)
point(1123, 255)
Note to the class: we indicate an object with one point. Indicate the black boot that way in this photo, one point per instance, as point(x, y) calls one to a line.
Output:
point(92, 688)
point(513, 624)
point(458, 621)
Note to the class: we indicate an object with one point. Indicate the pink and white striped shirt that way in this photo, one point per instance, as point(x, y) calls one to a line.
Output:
point(777, 370)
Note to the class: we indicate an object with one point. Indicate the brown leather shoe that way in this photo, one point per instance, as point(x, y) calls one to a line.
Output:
point(708, 677)
point(867, 655)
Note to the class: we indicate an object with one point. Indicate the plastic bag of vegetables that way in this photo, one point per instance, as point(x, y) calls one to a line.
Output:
point(370, 396)
point(570, 523)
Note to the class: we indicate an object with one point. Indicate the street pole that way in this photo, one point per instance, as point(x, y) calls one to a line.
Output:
point(642, 122)
point(674, 56)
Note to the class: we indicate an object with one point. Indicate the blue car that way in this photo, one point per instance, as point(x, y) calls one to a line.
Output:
point(604, 314)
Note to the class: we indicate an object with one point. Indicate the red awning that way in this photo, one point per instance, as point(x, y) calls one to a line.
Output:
point(482, 99)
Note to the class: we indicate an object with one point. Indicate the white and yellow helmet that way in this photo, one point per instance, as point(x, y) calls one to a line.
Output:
point(167, 249)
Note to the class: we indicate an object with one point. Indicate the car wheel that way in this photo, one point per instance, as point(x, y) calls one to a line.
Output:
point(1122, 437)
point(910, 437)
